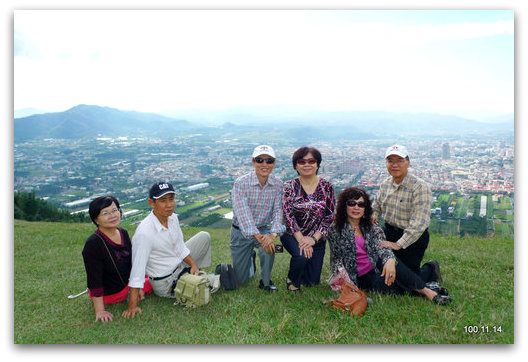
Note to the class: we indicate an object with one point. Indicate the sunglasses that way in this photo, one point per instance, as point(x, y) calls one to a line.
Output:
point(353, 203)
point(310, 161)
point(269, 161)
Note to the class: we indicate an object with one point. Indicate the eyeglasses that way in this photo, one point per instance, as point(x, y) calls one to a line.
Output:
point(397, 160)
point(269, 161)
point(353, 203)
point(303, 161)
point(106, 213)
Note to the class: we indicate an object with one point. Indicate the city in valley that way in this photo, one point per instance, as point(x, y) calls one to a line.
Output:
point(472, 177)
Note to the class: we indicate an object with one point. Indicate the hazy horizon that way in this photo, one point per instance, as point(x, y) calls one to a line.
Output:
point(219, 116)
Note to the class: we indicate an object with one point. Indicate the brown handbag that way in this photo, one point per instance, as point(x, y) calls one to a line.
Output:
point(352, 300)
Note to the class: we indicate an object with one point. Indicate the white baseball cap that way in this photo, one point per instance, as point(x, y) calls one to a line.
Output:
point(397, 150)
point(263, 150)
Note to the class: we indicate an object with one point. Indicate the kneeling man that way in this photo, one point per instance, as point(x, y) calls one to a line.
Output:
point(257, 218)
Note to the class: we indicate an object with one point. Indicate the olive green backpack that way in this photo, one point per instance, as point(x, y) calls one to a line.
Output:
point(192, 290)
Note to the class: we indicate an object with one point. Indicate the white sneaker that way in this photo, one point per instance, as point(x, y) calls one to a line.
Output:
point(214, 282)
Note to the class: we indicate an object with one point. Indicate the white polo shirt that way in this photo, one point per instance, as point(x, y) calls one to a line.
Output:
point(156, 250)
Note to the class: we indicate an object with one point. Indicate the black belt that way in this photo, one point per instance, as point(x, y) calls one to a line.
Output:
point(395, 228)
point(238, 228)
point(166, 276)
point(389, 226)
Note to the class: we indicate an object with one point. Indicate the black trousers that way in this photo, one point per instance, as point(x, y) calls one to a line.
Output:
point(412, 255)
point(302, 270)
point(406, 280)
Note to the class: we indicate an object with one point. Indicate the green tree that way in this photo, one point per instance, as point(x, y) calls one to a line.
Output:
point(31, 208)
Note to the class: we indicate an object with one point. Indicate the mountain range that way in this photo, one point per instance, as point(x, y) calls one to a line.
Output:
point(88, 121)
point(85, 121)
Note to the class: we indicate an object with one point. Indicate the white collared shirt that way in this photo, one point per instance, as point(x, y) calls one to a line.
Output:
point(156, 250)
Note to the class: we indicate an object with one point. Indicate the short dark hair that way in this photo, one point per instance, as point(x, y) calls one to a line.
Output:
point(341, 216)
point(303, 151)
point(100, 203)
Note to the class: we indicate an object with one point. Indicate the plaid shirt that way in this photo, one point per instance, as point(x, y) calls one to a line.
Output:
point(255, 206)
point(406, 206)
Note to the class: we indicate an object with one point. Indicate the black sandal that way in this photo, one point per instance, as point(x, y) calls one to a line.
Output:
point(442, 299)
point(435, 287)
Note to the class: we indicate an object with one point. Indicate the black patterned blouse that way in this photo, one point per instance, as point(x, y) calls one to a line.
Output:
point(343, 249)
point(308, 213)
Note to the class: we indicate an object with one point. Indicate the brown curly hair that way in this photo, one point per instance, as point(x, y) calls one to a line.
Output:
point(341, 216)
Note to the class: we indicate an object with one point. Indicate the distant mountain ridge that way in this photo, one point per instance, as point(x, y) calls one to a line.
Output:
point(379, 123)
point(26, 112)
point(88, 121)
point(85, 121)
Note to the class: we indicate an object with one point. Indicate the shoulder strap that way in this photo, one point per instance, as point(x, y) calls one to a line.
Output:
point(111, 258)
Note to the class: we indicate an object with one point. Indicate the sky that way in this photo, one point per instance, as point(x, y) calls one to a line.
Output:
point(451, 62)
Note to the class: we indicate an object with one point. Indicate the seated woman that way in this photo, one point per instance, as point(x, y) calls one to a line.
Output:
point(107, 257)
point(308, 205)
point(354, 245)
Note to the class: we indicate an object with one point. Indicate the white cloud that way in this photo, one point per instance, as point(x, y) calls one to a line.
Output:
point(155, 60)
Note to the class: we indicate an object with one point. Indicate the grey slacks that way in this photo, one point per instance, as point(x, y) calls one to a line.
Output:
point(242, 252)
point(200, 250)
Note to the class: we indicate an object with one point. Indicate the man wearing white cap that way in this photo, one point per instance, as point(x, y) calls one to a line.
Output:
point(404, 201)
point(257, 218)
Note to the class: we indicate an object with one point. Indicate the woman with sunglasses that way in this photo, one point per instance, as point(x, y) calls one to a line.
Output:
point(354, 246)
point(107, 258)
point(308, 206)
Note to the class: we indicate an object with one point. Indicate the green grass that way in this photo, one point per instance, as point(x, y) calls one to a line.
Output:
point(461, 208)
point(503, 228)
point(503, 210)
point(444, 197)
point(223, 211)
point(48, 266)
point(182, 209)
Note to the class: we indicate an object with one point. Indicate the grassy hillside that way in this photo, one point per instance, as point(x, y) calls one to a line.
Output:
point(48, 266)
